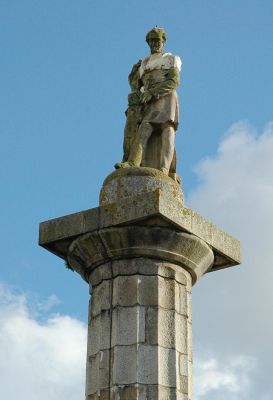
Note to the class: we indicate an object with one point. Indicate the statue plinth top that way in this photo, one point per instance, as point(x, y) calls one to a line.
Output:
point(127, 183)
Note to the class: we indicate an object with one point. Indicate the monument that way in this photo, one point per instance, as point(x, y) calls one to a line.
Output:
point(142, 250)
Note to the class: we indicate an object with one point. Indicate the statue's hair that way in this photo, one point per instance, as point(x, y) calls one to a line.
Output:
point(160, 32)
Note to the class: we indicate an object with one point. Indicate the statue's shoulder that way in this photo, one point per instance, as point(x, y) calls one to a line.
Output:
point(173, 61)
point(160, 61)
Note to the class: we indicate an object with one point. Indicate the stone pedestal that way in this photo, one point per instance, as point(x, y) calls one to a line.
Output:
point(140, 251)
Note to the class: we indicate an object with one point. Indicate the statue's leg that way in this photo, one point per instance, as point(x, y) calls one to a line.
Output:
point(130, 133)
point(130, 130)
point(127, 140)
point(167, 151)
point(144, 132)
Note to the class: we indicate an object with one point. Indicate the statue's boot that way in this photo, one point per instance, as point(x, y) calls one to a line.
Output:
point(125, 164)
point(164, 170)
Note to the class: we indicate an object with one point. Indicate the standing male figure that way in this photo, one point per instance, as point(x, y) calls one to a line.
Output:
point(158, 79)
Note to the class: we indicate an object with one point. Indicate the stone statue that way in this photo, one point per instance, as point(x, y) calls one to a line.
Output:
point(152, 114)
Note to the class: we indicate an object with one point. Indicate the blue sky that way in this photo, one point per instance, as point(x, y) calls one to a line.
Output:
point(64, 67)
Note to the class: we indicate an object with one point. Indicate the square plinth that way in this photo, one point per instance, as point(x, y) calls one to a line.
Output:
point(149, 209)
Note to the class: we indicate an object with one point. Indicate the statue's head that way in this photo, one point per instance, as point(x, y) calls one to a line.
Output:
point(156, 39)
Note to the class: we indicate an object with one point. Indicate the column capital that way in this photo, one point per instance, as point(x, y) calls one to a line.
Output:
point(99, 247)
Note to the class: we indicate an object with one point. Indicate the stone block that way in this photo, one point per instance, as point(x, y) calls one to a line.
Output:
point(183, 364)
point(181, 333)
point(167, 367)
point(189, 305)
point(101, 298)
point(189, 341)
point(103, 272)
point(125, 290)
point(183, 301)
point(158, 392)
point(104, 359)
point(92, 374)
point(124, 365)
point(100, 395)
point(99, 333)
point(133, 266)
point(184, 384)
point(104, 369)
point(126, 392)
point(166, 328)
point(105, 323)
point(160, 327)
point(166, 293)
point(151, 326)
point(190, 370)
point(148, 290)
point(148, 359)
point(94, 332)
point(128, 325)
point(181, 396)
point(183, 277)
point(89, 310)
point(165, 271)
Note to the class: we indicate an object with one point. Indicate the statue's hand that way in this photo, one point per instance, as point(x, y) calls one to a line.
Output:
point(134, 99)
point(145, 97)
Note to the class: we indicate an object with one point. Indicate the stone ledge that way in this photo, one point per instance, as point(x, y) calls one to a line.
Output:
point(149, 209)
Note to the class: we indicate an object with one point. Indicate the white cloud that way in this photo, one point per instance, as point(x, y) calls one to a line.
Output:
point(229, 379)
point(39, 360)
point(238, 182)
point(233, 308)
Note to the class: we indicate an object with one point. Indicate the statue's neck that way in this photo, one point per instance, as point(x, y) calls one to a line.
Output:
point(157, 53)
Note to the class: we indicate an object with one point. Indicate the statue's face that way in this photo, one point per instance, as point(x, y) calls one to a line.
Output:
point(156, 45)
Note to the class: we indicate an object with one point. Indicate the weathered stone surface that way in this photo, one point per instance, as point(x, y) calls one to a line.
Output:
point(156, 208)
point(141, 265)
point(101, 301)
point(98, 334)
point(128, 326)
point(135, 241)
point(126, 183)
point(166, 328)
point(183, 364)
point(92, 371)
point(140, 342)
point(125, 366)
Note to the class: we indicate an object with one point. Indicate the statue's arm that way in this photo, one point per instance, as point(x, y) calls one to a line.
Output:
point(135, 84)
point(134, 78)
point(170, 83)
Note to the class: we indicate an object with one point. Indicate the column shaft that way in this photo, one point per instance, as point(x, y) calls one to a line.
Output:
point(139, 333)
